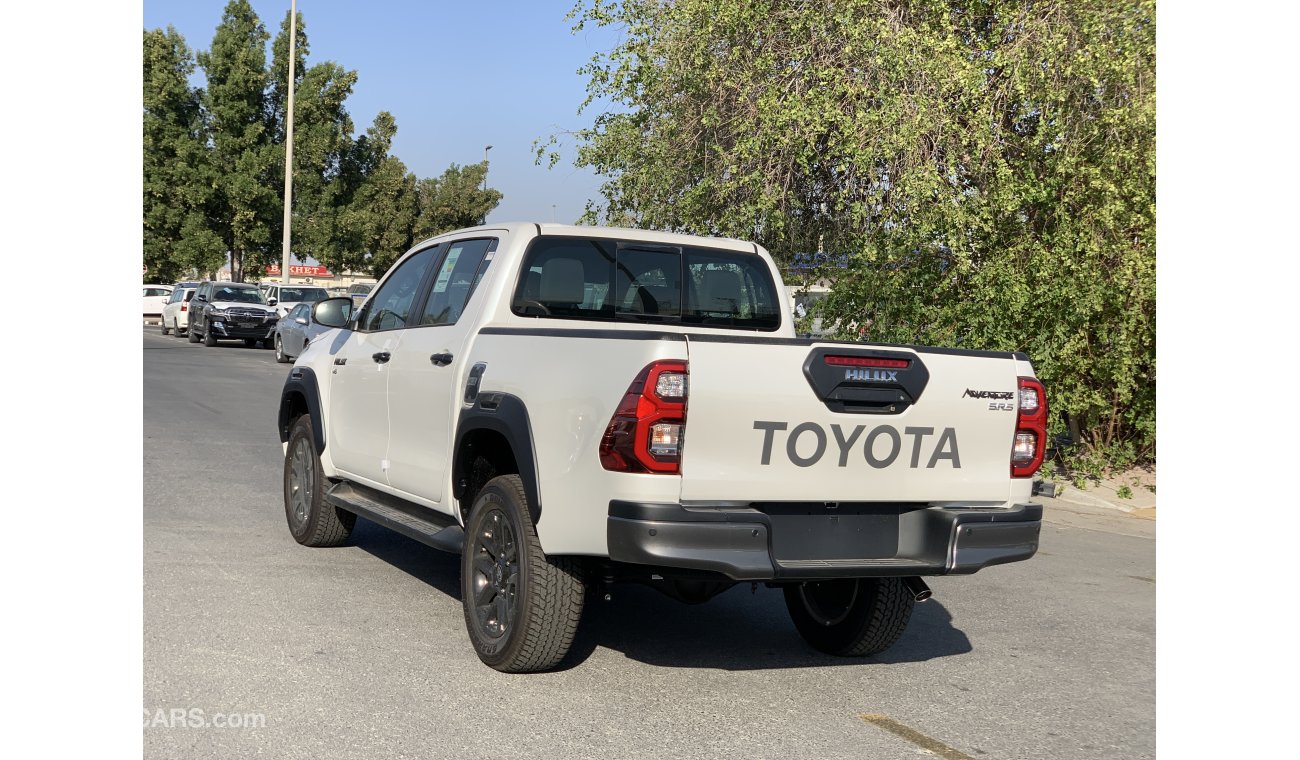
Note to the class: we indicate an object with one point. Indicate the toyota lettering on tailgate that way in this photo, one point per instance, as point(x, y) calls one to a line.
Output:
point(880, 447)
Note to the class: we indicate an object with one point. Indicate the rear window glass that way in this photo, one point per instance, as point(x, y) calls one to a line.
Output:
point(623, 280)
point(310, 295)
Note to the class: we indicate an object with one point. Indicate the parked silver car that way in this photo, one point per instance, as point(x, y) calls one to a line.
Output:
point(294, 331)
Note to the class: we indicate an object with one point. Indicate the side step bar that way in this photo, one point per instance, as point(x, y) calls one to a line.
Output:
point(424, 525)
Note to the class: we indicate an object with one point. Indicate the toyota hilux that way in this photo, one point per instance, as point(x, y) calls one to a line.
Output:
point(571, 407)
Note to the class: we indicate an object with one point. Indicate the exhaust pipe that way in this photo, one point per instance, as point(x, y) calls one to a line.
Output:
point(920, 591)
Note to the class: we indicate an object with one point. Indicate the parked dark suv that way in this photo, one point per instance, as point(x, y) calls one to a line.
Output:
point(230, 311)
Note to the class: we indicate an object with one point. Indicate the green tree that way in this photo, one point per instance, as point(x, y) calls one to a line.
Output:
point(214, 161)
point(323, 185)
point(177, 172)
point(987, 166)
point(245, 208)
point(456, 199)
point(383, 208)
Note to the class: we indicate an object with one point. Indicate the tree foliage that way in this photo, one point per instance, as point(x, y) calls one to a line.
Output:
point(987, 166)
point(214, 161)
point(244, 206)
point(178, 176)
point(457, 199)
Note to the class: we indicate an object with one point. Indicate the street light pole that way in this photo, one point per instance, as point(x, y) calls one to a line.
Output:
point(288, 145)
point(486, 148)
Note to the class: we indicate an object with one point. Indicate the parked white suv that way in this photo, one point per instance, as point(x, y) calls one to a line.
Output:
point(574, 406)
point(284, 297)
point(176, 312)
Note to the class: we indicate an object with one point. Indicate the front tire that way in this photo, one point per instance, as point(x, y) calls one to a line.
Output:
point(521, 607)
point(850, 617)
point(312, 522)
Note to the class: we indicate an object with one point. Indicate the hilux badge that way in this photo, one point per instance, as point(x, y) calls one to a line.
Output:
point(877, 375)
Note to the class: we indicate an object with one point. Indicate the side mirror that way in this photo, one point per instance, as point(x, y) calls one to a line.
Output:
point(272, 302)
point(332, 312)
point(201, 298)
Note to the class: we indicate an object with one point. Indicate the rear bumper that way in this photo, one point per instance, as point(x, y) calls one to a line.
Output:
point(800, 542)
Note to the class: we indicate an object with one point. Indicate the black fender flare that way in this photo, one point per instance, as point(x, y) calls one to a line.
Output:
point(507, 415)
point(302, 381)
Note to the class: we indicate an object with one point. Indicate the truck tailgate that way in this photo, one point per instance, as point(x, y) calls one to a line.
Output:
point(787, 420)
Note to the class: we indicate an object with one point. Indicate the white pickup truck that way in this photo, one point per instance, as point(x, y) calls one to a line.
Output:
point(569, 407)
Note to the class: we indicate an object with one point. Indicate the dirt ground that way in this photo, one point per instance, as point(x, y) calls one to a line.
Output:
point(1138, 501)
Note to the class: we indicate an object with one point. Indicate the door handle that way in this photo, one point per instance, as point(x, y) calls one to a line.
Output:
point(381, 357)
point(441, 360)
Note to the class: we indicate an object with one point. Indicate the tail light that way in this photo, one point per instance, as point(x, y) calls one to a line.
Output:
point(1031, 429)
point(645, 434)
point(867, 361)
point(185, 306)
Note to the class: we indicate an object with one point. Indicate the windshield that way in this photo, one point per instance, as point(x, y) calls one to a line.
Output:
point(617, 280)
point(310, 295)
point(238, 294)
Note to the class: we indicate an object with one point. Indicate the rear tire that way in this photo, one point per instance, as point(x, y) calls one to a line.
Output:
point(279, 351)
point(176, 327)
point(521, 607)
point(163, 323)
point(851, 617)
point(312, 522)
point(192, 336)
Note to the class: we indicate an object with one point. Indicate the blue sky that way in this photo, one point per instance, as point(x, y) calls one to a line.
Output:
point(457, 76)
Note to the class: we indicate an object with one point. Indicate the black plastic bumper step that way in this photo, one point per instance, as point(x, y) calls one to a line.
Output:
point(426, 526)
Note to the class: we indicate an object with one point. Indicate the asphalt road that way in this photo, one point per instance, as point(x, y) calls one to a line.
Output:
point(361, 651)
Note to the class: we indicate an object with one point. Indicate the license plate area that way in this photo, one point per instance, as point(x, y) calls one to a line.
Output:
point(248, 324)
point(828, 531)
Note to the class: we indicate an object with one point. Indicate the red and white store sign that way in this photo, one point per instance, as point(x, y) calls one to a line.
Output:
point(301, 270)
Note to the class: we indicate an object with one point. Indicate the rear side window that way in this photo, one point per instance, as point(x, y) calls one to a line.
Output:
point(615, 280)
point(461, 269)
